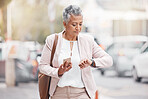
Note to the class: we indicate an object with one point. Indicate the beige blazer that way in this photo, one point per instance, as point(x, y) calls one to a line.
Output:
point(87, 49)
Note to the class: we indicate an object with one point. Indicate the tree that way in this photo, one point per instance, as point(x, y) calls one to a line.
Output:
point(31, 21)
point(3, 24)
point(4, 3)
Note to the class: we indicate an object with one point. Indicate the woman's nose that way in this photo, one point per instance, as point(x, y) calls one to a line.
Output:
point(78, 27)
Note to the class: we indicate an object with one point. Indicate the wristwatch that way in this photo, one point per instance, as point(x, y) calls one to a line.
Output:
point(92, 64)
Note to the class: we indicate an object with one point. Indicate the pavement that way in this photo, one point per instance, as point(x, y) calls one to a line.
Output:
point(104, 97)
point(25, 91)
point(22, 91)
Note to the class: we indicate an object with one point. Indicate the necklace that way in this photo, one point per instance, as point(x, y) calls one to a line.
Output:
point(71, 47)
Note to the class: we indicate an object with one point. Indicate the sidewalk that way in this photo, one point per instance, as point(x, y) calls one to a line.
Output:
point(22, 91)
point(25, 91)
point(104, 97)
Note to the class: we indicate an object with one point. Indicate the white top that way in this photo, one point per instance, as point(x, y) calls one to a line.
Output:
point(73, 76)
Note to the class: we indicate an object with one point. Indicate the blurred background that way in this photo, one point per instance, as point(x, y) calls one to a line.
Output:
point(120, 27)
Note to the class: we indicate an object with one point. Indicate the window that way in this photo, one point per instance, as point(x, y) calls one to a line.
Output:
point(146, 50)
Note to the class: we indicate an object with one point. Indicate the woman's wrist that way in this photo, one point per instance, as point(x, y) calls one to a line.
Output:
point(59, 74)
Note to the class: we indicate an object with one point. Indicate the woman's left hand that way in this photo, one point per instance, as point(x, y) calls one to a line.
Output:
point(85, 63)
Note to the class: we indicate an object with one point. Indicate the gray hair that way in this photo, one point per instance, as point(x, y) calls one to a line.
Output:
point(71, 9)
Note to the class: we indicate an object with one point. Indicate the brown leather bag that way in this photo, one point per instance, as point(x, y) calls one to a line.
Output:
point(44, 80)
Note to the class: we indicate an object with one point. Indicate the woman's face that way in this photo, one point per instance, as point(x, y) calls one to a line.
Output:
point(74, 25)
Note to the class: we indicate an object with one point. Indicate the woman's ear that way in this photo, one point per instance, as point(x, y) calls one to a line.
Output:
point(64, 23)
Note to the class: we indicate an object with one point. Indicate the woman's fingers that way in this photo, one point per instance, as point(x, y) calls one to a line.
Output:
point(61, 71)
point(81, 66)
point(64, 67)
point(65, 64)
point(84, 63)
point(69, 67)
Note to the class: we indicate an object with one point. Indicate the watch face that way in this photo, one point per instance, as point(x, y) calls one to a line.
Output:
point(93, 62)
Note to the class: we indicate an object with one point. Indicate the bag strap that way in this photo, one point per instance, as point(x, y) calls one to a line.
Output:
point(53, 49)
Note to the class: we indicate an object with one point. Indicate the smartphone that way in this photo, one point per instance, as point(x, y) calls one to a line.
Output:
point(67, 59)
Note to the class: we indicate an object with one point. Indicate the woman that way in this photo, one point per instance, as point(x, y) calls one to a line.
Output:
point(71, 72)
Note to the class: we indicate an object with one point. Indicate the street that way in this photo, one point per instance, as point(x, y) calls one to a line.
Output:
point(23, 91)
point(120, 88)
point(83, 29)
point(110, 87)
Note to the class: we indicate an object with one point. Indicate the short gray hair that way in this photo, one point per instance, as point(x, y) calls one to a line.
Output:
point(71, 9)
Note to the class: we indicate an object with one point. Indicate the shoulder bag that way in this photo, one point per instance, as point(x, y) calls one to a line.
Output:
point(44, 80)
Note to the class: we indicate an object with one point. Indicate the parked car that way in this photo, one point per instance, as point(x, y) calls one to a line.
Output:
point(122, 50)
point(1, 51)
point(26, 65)
point(23, 71)
point(1, 39)
point(38, 58)
point(140, 64)
point(33, 46)
point(33, 61)
point(2, 60)
point(31, 65)
point(27, 70)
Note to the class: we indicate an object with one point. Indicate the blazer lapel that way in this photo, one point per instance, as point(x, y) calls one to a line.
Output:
point(57, 52)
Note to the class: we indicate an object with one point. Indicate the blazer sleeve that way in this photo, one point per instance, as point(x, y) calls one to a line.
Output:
point(44, 66)
point(101, 58)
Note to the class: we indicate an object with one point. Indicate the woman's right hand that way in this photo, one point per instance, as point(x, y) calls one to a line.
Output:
point(64, 67)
